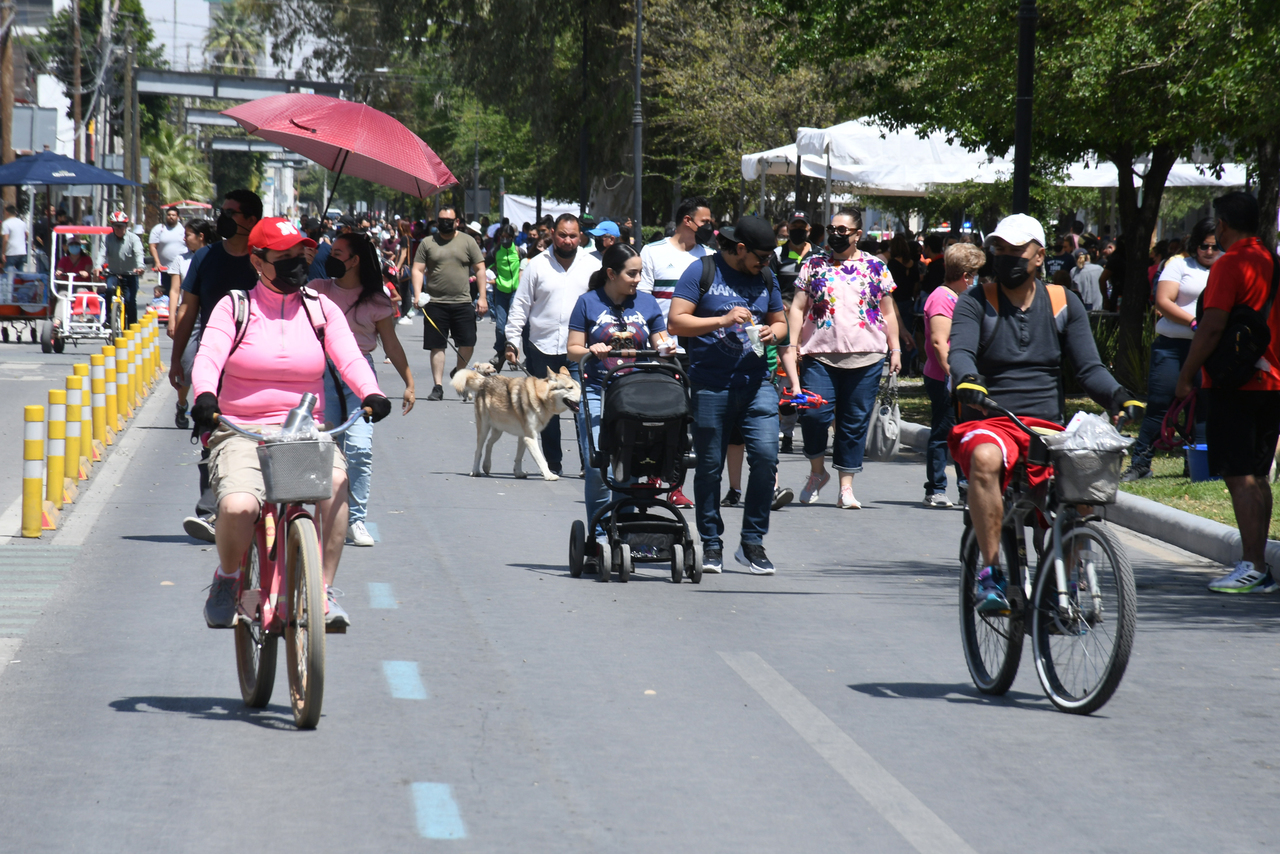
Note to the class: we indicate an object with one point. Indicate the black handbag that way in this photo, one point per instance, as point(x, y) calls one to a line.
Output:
point(1244, 340)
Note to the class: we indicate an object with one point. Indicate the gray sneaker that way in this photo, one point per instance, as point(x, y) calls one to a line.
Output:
point(220, 607)
point(336, 621)
point(200, 528)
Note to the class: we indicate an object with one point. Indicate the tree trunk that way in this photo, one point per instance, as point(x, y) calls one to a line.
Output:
point(1137, 224)
point(1269, 186)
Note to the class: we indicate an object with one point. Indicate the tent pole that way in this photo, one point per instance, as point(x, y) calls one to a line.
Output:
point(763, 174)
point(828, 219)
point(337, 178)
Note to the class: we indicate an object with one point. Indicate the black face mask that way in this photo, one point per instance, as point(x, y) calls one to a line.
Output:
point(291, 274)
point(227, 227)
point(838, 242)
point(334, 268)
point(446, 226)
point(704, 233)
point(1011, 271)
point(799, 236)
point(508, 242)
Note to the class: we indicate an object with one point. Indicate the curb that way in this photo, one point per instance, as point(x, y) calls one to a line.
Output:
point(1195, 534)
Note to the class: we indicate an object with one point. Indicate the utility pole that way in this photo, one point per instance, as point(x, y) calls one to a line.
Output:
point(126, 118)
point(135, 153)
point(637, 129)
point(76, 117)
point(1027, 15)
point(7, 21)
point(582, 134)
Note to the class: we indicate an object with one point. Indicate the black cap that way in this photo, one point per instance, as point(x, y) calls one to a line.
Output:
point(799, 216)
point(752, 232)
point(348, 220)
point(311, 224)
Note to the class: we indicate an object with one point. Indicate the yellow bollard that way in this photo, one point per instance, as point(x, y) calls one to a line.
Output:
point(123, 409)
point(98, 402)
point(135, 366)
point(86, 416)
point(56, 465)
point(32, 471)
point(109, 375)
point(131, 368)
point(140, 365)
point(75, 463)
point(150, 361)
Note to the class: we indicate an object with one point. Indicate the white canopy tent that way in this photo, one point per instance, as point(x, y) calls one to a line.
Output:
point(522, 209)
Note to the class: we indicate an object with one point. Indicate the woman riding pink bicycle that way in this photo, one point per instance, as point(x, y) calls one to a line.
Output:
point(254, 373)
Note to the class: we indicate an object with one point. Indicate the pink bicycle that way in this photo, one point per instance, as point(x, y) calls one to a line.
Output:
point(282, 591)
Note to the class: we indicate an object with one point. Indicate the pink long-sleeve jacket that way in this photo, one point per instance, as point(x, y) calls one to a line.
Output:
point(279, 358)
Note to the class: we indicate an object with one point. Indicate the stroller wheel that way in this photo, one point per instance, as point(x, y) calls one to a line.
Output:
point(677, 563)
point(606, 562)
point(577, 547)
point(624, 563)
point(695, 562)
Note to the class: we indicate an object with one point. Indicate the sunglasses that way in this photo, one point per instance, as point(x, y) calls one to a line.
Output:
point(842, 231)
point(1209, 247)
point(764, 257)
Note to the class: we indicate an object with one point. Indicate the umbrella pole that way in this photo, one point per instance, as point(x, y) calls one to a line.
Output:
point(337, 178)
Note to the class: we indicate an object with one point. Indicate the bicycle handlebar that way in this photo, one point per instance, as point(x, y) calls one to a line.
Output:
point(257, 437)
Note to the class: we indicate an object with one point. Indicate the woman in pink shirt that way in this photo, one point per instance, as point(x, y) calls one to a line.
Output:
point(961, 264)
point(844, 319)
point(255, 383)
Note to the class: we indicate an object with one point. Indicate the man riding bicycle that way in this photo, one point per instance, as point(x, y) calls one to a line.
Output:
point(122, 259)
point(254, 368)
point(1008, 340)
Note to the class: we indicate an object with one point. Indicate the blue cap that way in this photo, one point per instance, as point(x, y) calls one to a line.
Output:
point(607, 227)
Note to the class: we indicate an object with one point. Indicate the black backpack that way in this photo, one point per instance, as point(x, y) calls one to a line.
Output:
point(1244, 341)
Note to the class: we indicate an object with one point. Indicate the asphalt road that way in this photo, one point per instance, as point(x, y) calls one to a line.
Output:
point(485, 701)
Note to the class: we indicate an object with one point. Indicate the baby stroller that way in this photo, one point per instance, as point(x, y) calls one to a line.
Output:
point(643, 443)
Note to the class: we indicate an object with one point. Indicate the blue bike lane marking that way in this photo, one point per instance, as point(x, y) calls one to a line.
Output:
point(381, 595)
point(438, 816)
point(404, 680)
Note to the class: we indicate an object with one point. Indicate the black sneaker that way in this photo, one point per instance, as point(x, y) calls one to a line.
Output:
point(200, 528)
point(437, 393)
point(180, 419)
point(786, 446)
point(713, 561)
point(732, 498)
point(753, 558)
point(782, 496)
point(220, 607)
point(1135, 473)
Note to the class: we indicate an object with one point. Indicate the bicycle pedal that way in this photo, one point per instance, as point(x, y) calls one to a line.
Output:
point(335, 630)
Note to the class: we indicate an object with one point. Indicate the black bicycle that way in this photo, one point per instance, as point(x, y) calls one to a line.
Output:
point(1079, 605)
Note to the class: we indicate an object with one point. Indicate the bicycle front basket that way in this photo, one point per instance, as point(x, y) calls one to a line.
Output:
point(1086, 476)
point(297, 472)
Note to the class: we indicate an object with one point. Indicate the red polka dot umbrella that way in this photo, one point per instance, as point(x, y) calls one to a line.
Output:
point(347, 138)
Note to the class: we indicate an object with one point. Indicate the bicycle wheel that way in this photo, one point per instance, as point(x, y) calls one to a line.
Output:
point(255, 649)
point(1081, 653)
point(304, 633)
point(117, 316)
point(992, 642)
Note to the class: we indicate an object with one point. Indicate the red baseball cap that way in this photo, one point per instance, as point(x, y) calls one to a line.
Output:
point(278, 233)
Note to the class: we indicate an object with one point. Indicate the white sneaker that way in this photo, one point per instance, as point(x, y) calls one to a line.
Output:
point(937, 499)
point(407, 320)
point(846, 501)
point(359, 535)
point(1245, 578)
point(813, 486)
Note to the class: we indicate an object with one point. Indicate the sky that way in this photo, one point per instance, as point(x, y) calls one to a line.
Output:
point(183, 42)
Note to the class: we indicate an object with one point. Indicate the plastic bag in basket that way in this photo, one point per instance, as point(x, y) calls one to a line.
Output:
point(1088, 432)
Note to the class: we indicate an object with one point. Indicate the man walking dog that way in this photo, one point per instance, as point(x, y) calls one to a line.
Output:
point(447, 261)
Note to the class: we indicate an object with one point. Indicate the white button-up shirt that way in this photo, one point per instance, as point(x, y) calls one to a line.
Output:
point(546, 297)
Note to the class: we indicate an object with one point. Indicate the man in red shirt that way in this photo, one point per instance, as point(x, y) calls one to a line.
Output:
point(1243, 423)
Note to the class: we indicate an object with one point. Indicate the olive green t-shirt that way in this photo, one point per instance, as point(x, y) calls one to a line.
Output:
point(449, 263)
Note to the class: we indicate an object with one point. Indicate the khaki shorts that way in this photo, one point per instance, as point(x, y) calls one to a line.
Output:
point(234, 467)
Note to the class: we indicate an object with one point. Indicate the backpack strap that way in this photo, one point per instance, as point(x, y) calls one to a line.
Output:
point(239, 311)
point(708, 275)
point(991, 314)
point(309, 295)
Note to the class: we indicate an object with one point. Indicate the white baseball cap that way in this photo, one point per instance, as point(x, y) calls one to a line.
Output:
point(1019, 230)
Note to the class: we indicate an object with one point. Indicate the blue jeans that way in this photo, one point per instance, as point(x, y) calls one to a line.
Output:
point(943, 419)
point(595, 493)
point(1167, 356)
point(851, 396)
point(499, 306)
point(754, 411)
point(15, 262)
point(356, 444)
point(538, 362)
point(128, 291)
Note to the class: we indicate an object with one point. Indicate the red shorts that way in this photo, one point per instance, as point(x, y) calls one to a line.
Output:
point(1013, 443)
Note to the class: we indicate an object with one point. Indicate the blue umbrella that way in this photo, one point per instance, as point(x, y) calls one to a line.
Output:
point(50, 168)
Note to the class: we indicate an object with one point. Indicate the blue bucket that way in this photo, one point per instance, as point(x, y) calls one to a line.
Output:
point(1198, 463)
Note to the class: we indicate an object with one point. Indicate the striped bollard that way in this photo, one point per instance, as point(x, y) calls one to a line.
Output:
point(75, 463)
point(109, 385)
point(55, 467)
point(153, 349)
point(86, 416)
point(32, 471)
point(98, 401)
point(139, 381)
point(123, 410)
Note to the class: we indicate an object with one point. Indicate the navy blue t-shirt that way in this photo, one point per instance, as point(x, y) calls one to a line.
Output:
point(599, 318)
point(316, 270)
point(724, 358)
point(213, 274)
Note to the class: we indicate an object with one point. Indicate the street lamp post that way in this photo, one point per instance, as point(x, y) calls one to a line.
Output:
point(1022, 117)
point(637, 128)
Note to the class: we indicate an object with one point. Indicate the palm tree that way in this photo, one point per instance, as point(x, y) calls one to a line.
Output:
point(178, 169)
point(234, 41)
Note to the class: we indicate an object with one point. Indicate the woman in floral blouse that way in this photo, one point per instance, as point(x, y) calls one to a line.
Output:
point(843, 319)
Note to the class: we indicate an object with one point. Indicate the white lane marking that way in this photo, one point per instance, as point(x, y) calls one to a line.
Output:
point(8, 649)
point(918, 824)
point(94, 499)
